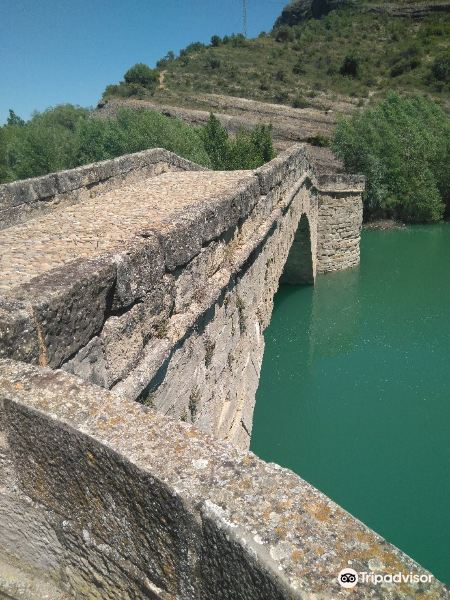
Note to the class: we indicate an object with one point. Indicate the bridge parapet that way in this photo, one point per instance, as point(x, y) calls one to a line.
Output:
point(23, 200)
point(161, 289)
point(112, 500)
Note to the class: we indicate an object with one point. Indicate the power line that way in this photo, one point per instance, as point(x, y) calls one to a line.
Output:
point(244, 17)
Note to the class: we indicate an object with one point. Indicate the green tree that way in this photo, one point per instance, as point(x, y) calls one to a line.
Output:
point(215, 140)
point(441, 68)
point(141, 74)
point(247, 150)
point(403, 148)
point(14, 119)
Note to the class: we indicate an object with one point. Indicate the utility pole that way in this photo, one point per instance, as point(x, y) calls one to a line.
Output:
point(244, 16)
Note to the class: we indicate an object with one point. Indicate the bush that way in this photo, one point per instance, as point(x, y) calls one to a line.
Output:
point(192, 48)
point(407, 60)
point(403, 148)
point(67, 136)
point(300, 102)
point(141, 74)
point(135, 130)
point(213, 63)
point(440, 68)
point(284, 34)
point(319, 140)
point(350, 66)
point(248, 150)
point(44, 144)
point(216, 41)
point(299, 67)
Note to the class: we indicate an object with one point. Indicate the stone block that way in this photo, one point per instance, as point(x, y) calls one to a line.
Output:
point(69, 305)
point(140, 267)
point(18, 333)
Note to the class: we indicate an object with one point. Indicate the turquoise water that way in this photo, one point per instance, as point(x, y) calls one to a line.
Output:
point(355, 389)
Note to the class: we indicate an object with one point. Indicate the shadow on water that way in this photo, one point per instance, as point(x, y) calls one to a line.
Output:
point(355, 389)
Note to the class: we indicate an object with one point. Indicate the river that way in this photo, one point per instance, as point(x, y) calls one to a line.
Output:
point(354, 393)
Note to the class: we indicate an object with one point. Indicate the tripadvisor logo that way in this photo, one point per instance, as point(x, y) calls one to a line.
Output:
point(348, 578)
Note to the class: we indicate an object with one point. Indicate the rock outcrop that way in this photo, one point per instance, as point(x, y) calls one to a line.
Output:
point(300, 10)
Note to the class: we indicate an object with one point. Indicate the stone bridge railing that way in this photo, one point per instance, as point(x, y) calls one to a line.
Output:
point(154, 279)
point(160, 289)
point(102, 498)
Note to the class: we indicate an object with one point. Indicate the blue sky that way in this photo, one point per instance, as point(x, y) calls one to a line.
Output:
point(56, 51)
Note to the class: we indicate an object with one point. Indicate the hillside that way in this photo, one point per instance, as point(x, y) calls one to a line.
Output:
point(358, 50)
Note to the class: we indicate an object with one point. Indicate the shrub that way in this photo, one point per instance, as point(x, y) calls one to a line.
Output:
point(406, 61)
point(215, 140)
point(284, 34)
point(44, 144)
point(281, 96)
point(213, 63)
point(300, 102)
point(248, 150)
point(318, 140)
point(216, 41)
point(68, 136)
point(141, 74)
point(191, 48)
point(403, 148)
point(299, 67)
point(350, 66)
point(440, 68)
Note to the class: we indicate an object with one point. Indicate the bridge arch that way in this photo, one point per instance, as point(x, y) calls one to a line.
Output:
point(299, 267)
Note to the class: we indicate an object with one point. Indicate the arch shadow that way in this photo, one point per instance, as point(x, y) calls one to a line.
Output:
point(298, 269)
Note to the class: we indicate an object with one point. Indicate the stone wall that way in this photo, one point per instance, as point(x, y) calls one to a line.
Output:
point(103, 498)
point(30, 198)
point(175, 317)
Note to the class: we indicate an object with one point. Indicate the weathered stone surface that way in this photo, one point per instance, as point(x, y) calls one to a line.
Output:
point(138, 268)
point(173, 250)
point(18, 332)
point(68, 305)
point(145, 507)
point(300, 10)
point(161, 290)
point(23, 200)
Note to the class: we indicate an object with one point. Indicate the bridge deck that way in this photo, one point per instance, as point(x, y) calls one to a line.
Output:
point(105, 223)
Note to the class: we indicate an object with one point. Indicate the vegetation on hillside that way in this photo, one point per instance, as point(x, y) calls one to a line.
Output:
point(68, 136)
point(247, 150)
point(348, 52)
point(403, 148)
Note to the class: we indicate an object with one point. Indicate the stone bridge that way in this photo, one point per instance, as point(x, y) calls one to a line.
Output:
point(148, 278)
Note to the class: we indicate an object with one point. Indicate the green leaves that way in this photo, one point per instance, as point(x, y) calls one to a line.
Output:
point(67, 136)
point(247, 150)
point(403, 148)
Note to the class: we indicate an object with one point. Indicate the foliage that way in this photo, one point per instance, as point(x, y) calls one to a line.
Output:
point(135, 130)
point(403, 148)
point(141, 74)
point(392, 53)
point(441, 68)
point(284, 34)
point(216, 41)
point(139, 81)
point(300, 102)
point(67, 136)
point(14, 119)
point(350, 66)
point(247, 150)
point(44, 144)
